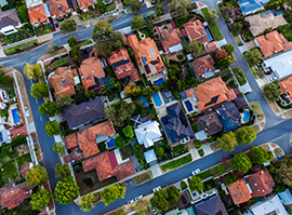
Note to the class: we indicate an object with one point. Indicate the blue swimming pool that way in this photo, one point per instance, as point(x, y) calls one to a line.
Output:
point(189, 105)
point(157, 99)
point(246, 116)
point(208, 34)
point(279, 12)
point(15, 115)
point(159, 81)
point(144, 100)
point(111, 143)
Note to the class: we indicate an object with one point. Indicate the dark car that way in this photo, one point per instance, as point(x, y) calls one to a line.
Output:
point(183, 199)
point(230, 156)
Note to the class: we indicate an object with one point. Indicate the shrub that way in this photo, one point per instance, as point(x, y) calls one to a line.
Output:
point(229, 178)
point(198, 144)
point(180, 56)
point(220, 169)
point(183, 185)
point(201, 152)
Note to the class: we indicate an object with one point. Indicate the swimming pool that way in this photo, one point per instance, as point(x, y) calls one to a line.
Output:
point(157, 99)
point(159, 81)
point(144, 100)
point(189, 105)
point(246, 116)
point(15, 115)
point(208, 34)
point(111, 143)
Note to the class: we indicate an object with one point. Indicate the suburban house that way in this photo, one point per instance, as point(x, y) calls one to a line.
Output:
point(251, 6)
point(150, 156)
point(12, 195)
point(286, 197)
point(58, 8)
point(213, 92)
point(229, 116)
point(4, 98)
point(109, 164)
point(9, 22)
point(195, 30)
point(63, 81)
point(203, 67)
point(210, 123)
point(239, 192)
point(176, 125)
point(210, 206)
point(147, 56)
point(78, 115)
point(84, 4)
point(272, 43)
point(170, 40)
point(286, 90)
point(122, 65)
point(148, 133)
point(266, 20)
point(92, 74)
point(240, 103)
point(37, 15)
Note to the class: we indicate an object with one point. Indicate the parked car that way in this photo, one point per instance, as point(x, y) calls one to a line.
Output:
point(223, 159)
point(273, 79)
point(195, 172)
point(156, 189)
point(115, 14)
point(138, 197)
point(183, 199)
point(230, 156)
point(130, 201)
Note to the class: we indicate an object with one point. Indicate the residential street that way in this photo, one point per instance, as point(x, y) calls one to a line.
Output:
point(277, 130)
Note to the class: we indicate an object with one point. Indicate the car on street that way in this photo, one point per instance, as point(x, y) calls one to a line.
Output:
point(230, 156)
point(183, 199)
point(115, 14)
point(130, 201)
point(156, 189)
point(273, 79)
point(138, 197)
point(223, 159)
point(195, 172)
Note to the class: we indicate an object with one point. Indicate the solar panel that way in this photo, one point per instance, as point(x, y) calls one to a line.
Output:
point(213, 101)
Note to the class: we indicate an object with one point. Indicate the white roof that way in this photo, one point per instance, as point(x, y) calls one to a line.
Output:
point(281, 64)
point(150, 156)
point(201, 135)
point(271, 205)
point(47, 11)
point(32, 3)
point(175, 48)
point(286, 197)
point(148, 133)
point(7, 28)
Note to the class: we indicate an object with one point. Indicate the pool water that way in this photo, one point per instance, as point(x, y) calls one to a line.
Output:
point(144, 100)
point(157, 99)
point(189, 105)
point(159, 81)
point(15, 115)
point(208, 35)
point(246, 116)
point(111, 143)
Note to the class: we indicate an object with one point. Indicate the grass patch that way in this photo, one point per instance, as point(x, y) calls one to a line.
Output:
point(180, 22)
point(21, 34)
point(86, 42)
point(214, 27)
point(208, 185)
point(240, 75)
point(60, 62)
point(143, 177)
point(127, 151)
point(178, 148)
point(183, 185)
point(176, 163)
point(47, 30)
point(21, 47)
point(205, 174)
point(23, 159)
point(220, 169)
point(9, 172)
point(232, 84)
point(201, 152)
point(256, 108)
point(110, 7)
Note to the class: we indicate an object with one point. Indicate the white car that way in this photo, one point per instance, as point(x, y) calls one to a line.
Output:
point(273, 79)
point(156, 189)
point(195, 172)
point(138, 197)
point(130, 201)
point(115, 14)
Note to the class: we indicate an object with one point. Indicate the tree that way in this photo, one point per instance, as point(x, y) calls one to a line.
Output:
point(39, 90)
point(102, 31)
point(288, 15)
point(224, 62)
point(227, 142)
point(229, 48)
point(101, 6)
point(119, 212)
point(164, 199)
point(52, 128)
point(136, 5)
point(132, 90)
point(36, 175)
point(49, 108)
point(284, 172)
point(137, 22)
point(227, 10)
point(159, 151)
point(271, 91)
point(258, 155)
point(106, 90)
point(5, 80)
point(241, 162)
point(198, 144)
point(229, 178)
point(159, 10)
point(68, 25)
point(75, 52)
point(181, 7)
point(138, 151)
point(246, 134)
point(62, 171)
point(59, 148)
point(196, 183)
point(88, 201)
point(253, 57)
point(222, 53)
point(72, 41)
point(66, 190)
point(40, 200)
point(128, 132)
point(120, 142)
point(213, 16)
point(236, 28)
point(64, 100)
point(142, 207)
point(196, 47)
point(112, 193)
point(33, 71)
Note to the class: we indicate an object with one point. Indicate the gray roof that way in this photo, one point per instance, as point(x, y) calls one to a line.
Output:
point(8, 18)
point(210, 206)
point(229, 116)
point(286, 197)
point(85, 112)
point(210, 123)
point(240, 102)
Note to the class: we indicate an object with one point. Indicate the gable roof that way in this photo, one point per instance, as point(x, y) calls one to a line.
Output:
point(37, 14)
point(58, 7)
point(213, 92)
point(239, 192)
point(71, 141)
point(195, 30)
point(272, 43)
point(148, 133)
point(77, 115)
point(8, 18)
point(249, 6)
point(229, 116)
point(211, 206)
point(83, 4)
point(170, 38)
point(176, 125)
point(203, 65)
point(271, 206)
point(211, 123)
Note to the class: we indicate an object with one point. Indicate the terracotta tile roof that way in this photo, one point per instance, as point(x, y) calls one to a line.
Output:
point(286, 86)
point(202, 65)
point(62, 81)
point(146, 54)
point(213, 92)
point(239, 192)
point(83, 4)
point(261, 183)
point(91, 71)
point(169, 38)
point(58, 8)
point(189, 92)
point(195, 31)
point(12, 195)
point(122, 64)
point(106, 166)
point(211, 46)
point(37, 14)
point(272, 43)
point(71, 141)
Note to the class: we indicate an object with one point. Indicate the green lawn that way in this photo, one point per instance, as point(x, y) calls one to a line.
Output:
point(178, 148)
point(205, 174)
point(127, 151)
point(9, 172)
point(176, 163)
point(288, 34)
point(208, 185)
point(60, 62)
point(47, 30)
point(18, 48)
point(23, 159)
point(180, 22)
point(110, 7)
point(143, 177)
point(214, 28)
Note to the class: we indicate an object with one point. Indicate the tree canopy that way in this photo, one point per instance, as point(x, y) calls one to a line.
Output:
point(195, 47)
point(136, 5)
point(36, 175)
point(112, 193)
point(33, 71)
point(62, 171)
point(52, 128)
point(132, 90)
point(128, 132)
point(120, 142)
point(241, 162)
point(68, 25)
point(72, 41)
point(181, 7)
point(137, 22)
point(228, 142)
point(271, 91)
point(284, 171)
point(101, 6)
point(246, 134)
point(164, 199)
point(253, 57)
point(229, 48)
point(258, 155)
point(236, 28)
point(40, 200)
point(196, 183)
point(224, 62)
point(49, 108)
point(39, 90)
point(66, 190)
point(159, 10)
point(213, 16)
point(88, 201)
point(5, 80)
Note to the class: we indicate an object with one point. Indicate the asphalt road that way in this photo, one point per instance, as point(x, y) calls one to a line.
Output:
point(276, 130)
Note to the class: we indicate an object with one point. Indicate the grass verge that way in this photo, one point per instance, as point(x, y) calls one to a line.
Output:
point(143, 177)
point(176, 163)
point(21, 47)
point(256, 108)
point(214, 27)
point(205, 174)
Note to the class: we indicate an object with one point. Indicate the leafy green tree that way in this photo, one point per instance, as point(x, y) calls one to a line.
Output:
point(198, 144)
point(181, 7)
point(49, 108)
point(72, 41)
point(253, 57)
point(66, 191)
point(236, 28)
point(5, 80)
point(159, 10)
point(229, 48)
point(246, 134)
point(52, 128)
point(258, 155)
point(36, 175)
point(284, 172)
point(128, 132)
point(39, 90)
point(102, 31)
point(120, 142)
point(159, 151)
point(68, 25)
point(241, 162)
point(227, 142)
point(21, 11)
point(164, 199)
point(138, 22)
point(59, 148)
point(138, 151)
point(213, 16)
point(62, 171)
point(288, 15)
point(112, 193)
point(101, 6)
point(143, 207)
point(227, 10)
point(40, 200)
point(229, 178)
point(64, 100)
point(224, 62)
point(34, 72)
point(136, 5)
point(132, 90)
point(196, 183)
point(88, 201)
point(75, 52)
point(106, 90)
point(271, 91)
point(195, 47)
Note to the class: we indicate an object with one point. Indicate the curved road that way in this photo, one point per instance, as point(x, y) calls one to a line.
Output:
point(277, 130)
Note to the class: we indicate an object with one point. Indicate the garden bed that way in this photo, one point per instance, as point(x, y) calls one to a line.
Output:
point(256, 108)
point(140, 179)
point(208, 185)
point(21, 34)
point(176, 163)
point(213, 26)
point(21, 47)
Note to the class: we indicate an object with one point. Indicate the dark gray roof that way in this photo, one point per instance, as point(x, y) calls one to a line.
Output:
point(211, 123)
point(76, 115)
point(210, 206)
point(176, 124)
point(229, 116)
point(240, 102)
point(9, 17)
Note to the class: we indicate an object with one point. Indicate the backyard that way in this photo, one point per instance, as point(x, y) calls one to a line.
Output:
point(214, 27)
point(127, 151)
point(179, 22)
point(21, 34)
point(176, 163)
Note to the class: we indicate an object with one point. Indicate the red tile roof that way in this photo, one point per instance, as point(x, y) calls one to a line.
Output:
point(169, 38)
point(195, 31)
point(58, 8)
point(202, 65)
point(83, 4)
point(71, 141)
point(211, 46)
point(239, 192)
point(286, 86)
point(37, 14)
